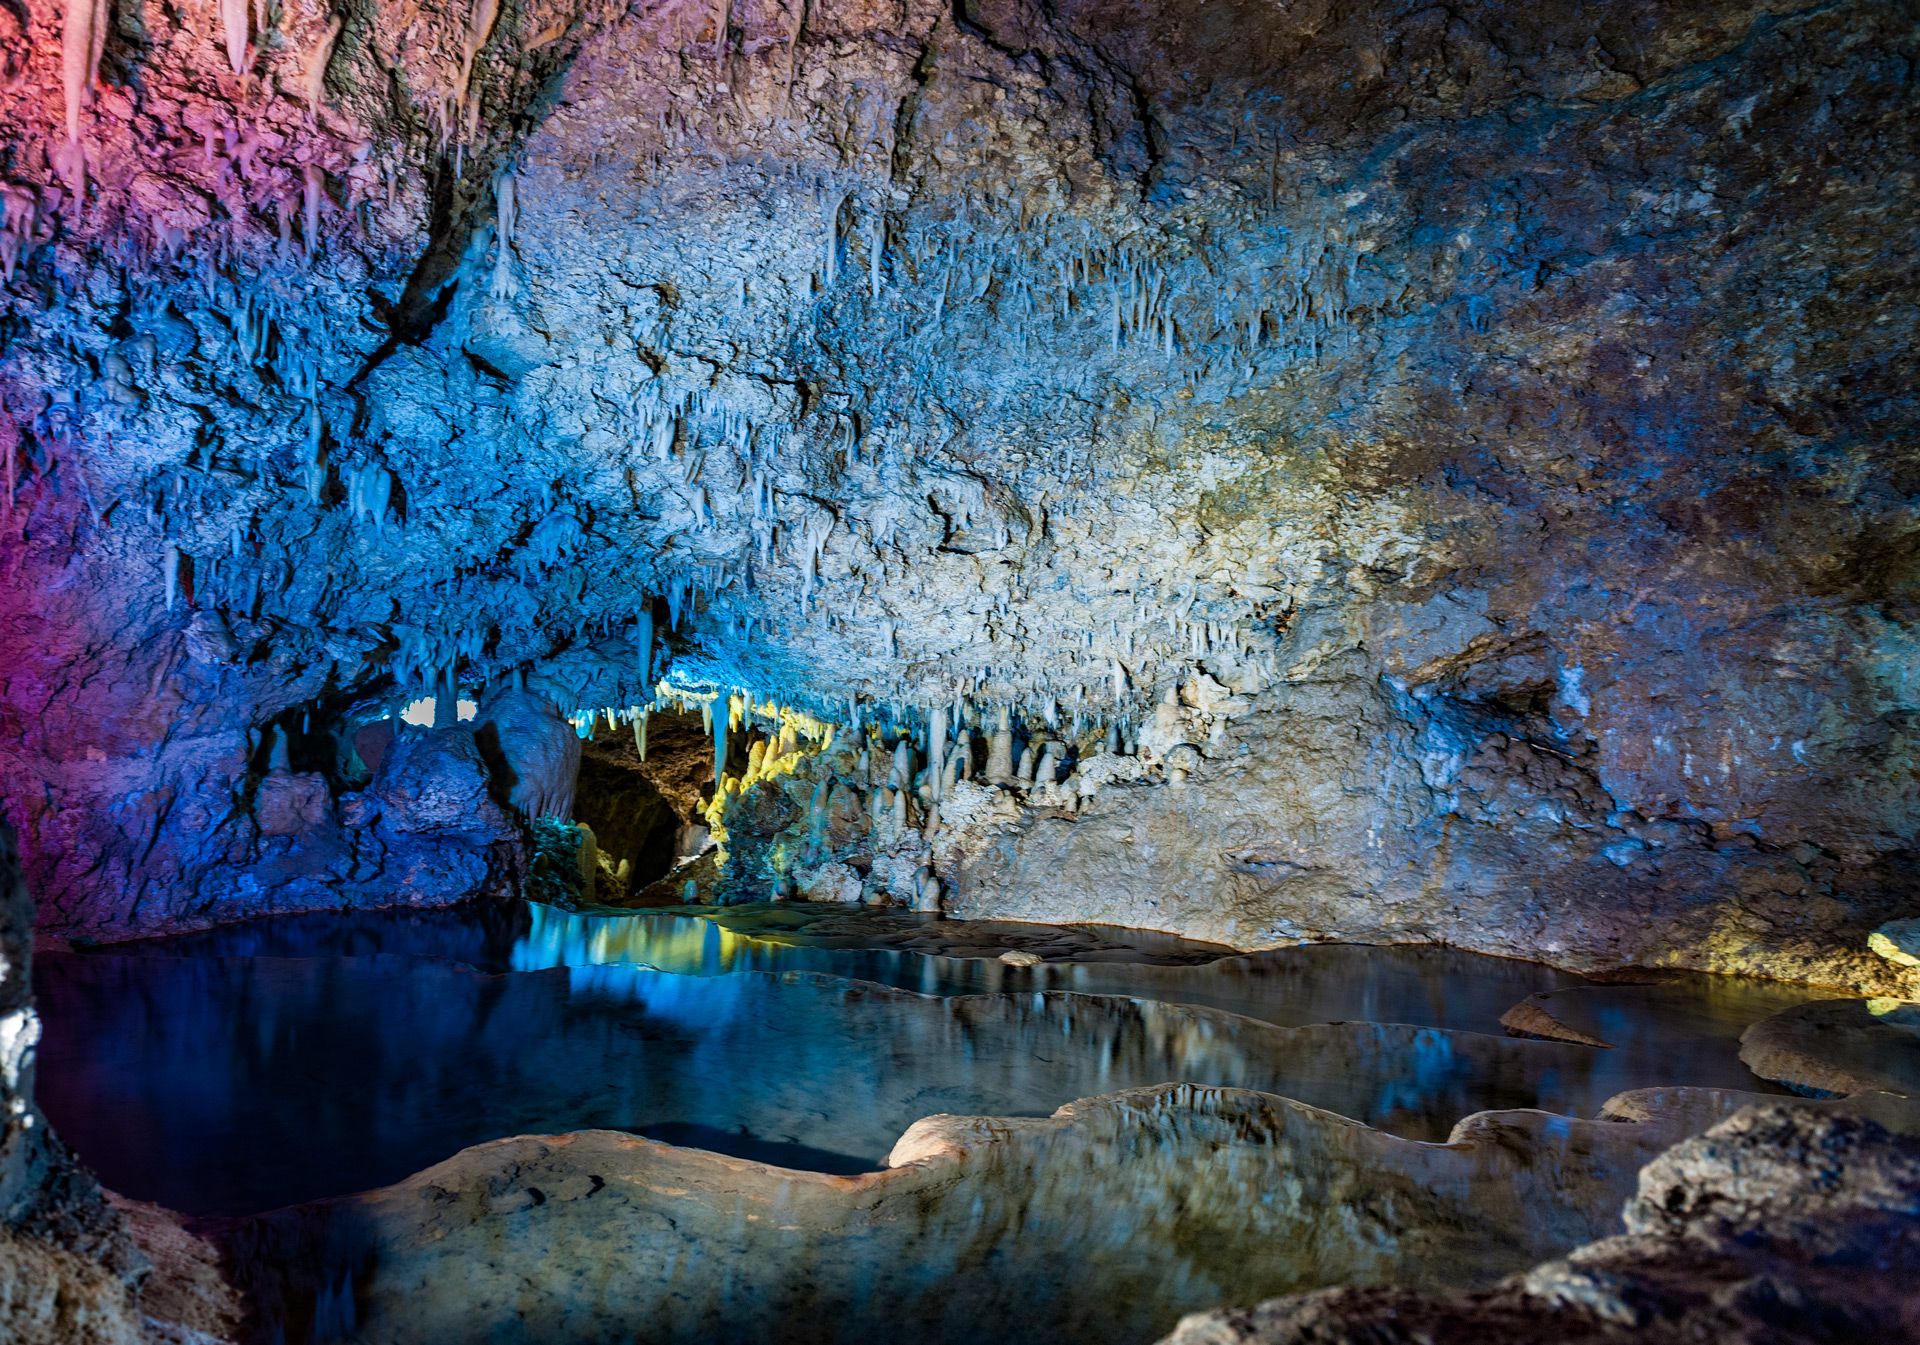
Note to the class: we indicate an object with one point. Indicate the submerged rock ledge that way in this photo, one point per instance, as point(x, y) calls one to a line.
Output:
point(600, 1235)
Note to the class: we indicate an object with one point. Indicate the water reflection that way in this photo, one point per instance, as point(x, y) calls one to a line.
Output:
point(1429, 987)
point(252, 1067)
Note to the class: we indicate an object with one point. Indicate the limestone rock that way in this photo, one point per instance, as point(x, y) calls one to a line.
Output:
point(491, 1240)
point(829, 882)
point(1781, 1224)
point(1839, 1047)
point(919, 363)
point(536, 753)
point(1529, 1018)
point(289, 804)
point(1898, 941)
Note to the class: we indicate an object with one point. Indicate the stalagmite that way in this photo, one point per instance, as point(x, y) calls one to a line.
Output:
point(279, 757)
point(506, 218)
point(1047, 772)
point(589, 855)
point(937, 750)
point(926, 890)
point(1000, 751)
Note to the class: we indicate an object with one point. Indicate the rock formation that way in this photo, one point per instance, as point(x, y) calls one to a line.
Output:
point(1269, 473)
point(1778, 1225)
point(712, 1246)
point(72, 1270)
point(1426, 475)
point(1839, 1047)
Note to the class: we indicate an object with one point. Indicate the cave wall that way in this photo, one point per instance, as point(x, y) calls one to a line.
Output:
point(68, 1266)
point(1497, 419)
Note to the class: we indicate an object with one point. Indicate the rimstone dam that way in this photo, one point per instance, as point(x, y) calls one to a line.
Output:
point(975, 672)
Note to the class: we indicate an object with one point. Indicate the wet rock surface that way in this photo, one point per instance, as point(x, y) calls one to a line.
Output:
point(67, 1266)
point(1779, 1224)
point(75, 1269)
point(1843, 1046)
point(490, 1244)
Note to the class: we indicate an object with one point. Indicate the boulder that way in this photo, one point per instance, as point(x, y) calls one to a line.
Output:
point(1783, 1225)
point(533, 752)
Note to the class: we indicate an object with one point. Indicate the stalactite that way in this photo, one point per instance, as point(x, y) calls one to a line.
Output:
point(643, 640)
point(479, 28)
point(83, 39)
point(21, 226)
point(313, 84)
point(313, 194)
point(316, 462)
point(233, 22)
point(369, 491)
point(793, 43)
point(830, 209)
point(80, 40)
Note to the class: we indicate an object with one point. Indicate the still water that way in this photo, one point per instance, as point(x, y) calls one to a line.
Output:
point(287, 1059)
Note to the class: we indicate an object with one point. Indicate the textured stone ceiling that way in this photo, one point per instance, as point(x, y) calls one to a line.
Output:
point(1498, 420)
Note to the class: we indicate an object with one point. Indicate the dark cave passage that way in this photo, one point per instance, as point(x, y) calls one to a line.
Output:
point(646, 815)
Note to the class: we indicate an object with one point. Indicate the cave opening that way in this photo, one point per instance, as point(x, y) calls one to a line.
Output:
point(647, 815)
